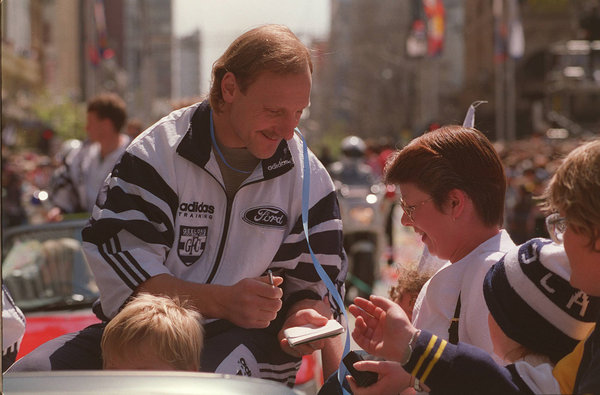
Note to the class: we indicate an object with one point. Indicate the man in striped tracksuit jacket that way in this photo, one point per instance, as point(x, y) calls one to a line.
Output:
point(209, 198)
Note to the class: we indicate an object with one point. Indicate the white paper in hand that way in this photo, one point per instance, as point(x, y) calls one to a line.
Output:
point(308, 333)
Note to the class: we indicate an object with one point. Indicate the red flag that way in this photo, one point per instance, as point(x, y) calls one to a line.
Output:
point(434, 10)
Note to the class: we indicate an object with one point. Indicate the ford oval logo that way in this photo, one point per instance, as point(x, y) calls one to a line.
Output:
point(265, 216)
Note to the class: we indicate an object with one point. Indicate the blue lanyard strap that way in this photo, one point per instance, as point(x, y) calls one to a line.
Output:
point(330, 287)
point(214, 141)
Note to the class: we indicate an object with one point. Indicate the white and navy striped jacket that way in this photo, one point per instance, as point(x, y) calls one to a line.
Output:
point(164, 210)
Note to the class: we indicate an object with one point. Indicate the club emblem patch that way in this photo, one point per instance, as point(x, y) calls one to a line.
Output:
point(192, 241)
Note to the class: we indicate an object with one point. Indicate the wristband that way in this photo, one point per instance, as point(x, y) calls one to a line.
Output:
point(409, 346)
point(417, 385)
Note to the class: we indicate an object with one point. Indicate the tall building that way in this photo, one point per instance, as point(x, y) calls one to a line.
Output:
point(186, 66)
point(147, 57)
point(22, 73)
point(373, 86)
point(512, 86)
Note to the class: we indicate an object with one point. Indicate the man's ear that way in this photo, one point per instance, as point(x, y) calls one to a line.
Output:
point(228, 87)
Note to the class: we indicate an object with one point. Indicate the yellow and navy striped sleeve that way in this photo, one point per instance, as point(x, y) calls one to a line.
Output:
point(461, 369)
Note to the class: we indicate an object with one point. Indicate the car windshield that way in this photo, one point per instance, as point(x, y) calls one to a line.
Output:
point(44, 269)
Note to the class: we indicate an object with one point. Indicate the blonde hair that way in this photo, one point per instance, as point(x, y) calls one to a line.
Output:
point(410, 280)
point(574, 190)
point(167, 325)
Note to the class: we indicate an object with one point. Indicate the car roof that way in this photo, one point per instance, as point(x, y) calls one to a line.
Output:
point(137, 382)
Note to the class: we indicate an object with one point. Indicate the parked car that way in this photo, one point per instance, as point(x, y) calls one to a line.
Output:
point(44, 270)
point(138, 382)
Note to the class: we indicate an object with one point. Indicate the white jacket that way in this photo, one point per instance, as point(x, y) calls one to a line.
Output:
point(436, 302)
point(76, 183)
point(164, 210)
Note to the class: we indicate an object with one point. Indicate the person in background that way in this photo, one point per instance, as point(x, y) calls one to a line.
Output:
point(76, 183)
point(154, 333)
point(525, 274)
point(13, 212)
point(13, 329)
point(409, 284)
point(134, 128)
point(200, 207)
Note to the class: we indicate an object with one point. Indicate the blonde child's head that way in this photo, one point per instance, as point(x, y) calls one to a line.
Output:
point(154, 333)
point(406, 290)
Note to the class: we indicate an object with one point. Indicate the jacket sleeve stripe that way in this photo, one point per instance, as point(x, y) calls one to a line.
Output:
point(132, 261)
point(306, 271)
point(113, 250)
point(102, 250)
point(109, 227)
point(436, 358)
point(138, 172)
point(120, 202)
point(322, 243)
point(326, 209)
point(424, 355)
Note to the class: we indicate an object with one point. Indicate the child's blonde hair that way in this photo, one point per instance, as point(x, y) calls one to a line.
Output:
point(170, 326)
point(410, 280)
point(574, 190)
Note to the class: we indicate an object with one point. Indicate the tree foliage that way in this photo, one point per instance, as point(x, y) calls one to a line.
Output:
point(64, 115)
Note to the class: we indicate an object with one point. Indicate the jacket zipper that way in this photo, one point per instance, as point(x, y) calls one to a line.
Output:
point(225, 233)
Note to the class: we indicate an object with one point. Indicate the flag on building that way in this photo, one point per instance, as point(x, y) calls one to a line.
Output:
point(516, 37)
point(435, 13)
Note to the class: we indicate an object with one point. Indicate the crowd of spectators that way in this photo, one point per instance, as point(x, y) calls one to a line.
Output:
point(25, 179)
point(529, 163)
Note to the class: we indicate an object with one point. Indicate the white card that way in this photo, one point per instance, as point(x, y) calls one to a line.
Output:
point(308, 333)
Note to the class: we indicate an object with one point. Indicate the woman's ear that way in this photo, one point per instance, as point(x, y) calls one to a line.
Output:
point(456, 202)
point(228, 87)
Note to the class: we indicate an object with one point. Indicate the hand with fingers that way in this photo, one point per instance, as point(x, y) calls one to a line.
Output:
point(307, 311)
point(252, 302)
point(392, 379)
point(381, 327)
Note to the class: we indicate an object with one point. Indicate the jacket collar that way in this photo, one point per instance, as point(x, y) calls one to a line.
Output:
point(196, 146)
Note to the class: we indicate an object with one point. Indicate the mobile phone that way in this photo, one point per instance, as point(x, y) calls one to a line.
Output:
point(309, 333)
point(363, 378)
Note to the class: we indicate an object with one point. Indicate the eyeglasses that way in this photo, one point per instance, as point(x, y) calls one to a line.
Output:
point(410, 210)
point(556, 226)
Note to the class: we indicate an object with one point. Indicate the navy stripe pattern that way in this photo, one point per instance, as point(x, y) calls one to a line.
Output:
point(326, 240)
point(136, 200)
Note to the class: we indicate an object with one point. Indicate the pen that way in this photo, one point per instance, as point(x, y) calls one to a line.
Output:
point(270, 273)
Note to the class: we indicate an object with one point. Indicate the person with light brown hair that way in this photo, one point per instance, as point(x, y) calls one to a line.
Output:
point(200, 206)
point(154, 333)
point(253, 53)
point(76, 183)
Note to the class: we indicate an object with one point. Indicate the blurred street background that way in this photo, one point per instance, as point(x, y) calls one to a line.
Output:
point(385, 71)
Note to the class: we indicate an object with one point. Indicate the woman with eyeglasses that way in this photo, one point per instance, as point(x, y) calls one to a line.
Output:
point(452, 187)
